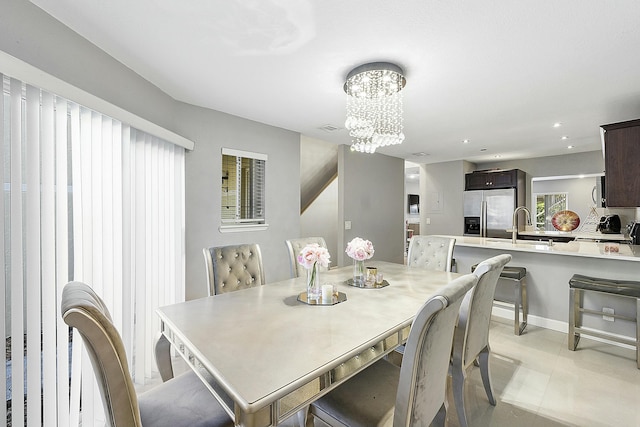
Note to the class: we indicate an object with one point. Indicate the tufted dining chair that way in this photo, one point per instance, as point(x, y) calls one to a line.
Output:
point(231, 268)
point(183, 401)
point(294, 246)
point(471, 336)
point(431, 252)
point(413, 394)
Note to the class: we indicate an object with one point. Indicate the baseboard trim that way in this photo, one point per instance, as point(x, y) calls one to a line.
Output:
point(554, 325)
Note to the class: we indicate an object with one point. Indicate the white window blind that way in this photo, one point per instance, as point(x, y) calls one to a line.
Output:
point(86, 198)
point(243, 188)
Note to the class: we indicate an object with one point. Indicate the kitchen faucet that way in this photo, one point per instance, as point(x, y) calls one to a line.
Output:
point(514, 228)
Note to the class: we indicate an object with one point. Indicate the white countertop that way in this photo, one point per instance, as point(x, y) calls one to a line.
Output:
point(596, 235)
point(625, 252)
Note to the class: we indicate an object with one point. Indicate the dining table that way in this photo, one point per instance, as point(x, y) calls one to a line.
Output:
point(265, 355)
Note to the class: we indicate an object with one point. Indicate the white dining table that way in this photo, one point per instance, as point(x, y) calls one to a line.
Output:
point(265, 355)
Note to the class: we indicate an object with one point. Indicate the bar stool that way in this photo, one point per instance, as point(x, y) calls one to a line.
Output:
point(518, 276)
point(578, 285)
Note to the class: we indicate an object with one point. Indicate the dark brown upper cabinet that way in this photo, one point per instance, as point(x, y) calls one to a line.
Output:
point(621, 146)
point(487, 180)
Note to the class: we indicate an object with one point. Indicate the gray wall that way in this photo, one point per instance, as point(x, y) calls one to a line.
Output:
point(441, 187)
point(212, 130)
point(26, 32)
point(370, 195)
point(568, 164)
point(321, 219)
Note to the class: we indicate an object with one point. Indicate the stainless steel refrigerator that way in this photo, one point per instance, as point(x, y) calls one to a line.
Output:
point(489, 213)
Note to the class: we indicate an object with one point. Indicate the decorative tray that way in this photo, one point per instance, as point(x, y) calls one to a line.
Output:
point(565, 221)
point(365, 286)
point(334, 300)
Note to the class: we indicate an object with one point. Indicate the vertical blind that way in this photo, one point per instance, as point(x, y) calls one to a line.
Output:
point(86, 198)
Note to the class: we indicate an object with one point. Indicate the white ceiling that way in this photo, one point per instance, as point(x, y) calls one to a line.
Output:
point(499, 73)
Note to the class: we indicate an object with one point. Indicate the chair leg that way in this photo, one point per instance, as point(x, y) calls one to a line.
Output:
point(163, 358)
point(457, 383)
point(304, 418)
point(485, 373)
point(441, 417)
point(575, 302)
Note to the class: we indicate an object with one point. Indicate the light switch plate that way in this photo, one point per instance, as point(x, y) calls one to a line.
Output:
point(347, 225)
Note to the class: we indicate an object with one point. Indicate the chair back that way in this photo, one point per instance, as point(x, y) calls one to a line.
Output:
point(425, 365)
point(231, 268)
point(294, 246)
point(431, 252)
point(84, 310)
point(472, 333)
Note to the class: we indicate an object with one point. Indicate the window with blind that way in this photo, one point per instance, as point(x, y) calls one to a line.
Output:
point(243, 189)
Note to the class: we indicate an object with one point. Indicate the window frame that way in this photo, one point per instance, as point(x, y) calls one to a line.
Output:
point(546, 225)
point(241, 224)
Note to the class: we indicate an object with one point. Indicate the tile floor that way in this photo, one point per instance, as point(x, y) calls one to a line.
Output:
point(538, 382)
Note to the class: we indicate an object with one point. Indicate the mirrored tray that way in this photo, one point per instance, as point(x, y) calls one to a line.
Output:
point(335, 300)
point(365, 286)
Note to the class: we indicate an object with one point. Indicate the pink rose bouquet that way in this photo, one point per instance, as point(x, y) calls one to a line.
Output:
point(360, 249)
point(314, 253)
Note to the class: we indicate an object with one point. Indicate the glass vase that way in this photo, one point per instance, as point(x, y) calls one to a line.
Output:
point(314, 292)
point(358, 273)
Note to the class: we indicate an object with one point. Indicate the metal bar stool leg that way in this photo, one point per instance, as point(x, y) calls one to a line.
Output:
point(525, 303)
point(520, 303)
point(575, 303)
point(520, 290)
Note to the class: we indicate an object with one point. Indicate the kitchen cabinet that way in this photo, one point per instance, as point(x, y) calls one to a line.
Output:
point(484, 180)
point(621, 145)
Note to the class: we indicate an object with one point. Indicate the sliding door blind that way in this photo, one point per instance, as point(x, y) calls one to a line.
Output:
point(86, 198)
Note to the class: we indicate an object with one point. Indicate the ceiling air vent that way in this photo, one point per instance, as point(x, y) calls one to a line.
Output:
point(329, 128)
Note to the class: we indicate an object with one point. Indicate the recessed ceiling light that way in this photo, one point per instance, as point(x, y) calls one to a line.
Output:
point(465, 141)
point(557, 124)
point(569, 147)
point(420, 154)
point(564, 138)
point(498, 156)
point(483, 149)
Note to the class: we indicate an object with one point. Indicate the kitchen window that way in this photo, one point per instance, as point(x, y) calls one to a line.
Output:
point(243, 191)
point(548, 205)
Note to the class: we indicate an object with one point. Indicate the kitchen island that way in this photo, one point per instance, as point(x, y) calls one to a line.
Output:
point(549, 268)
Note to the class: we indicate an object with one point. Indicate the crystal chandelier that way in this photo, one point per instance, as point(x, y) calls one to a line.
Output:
point(374, 106)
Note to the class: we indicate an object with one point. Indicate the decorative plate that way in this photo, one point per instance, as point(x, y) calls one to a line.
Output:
point(565, 221)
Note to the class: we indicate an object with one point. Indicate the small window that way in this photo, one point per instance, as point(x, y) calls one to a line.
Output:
point(243, 190)
point(546, 206)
